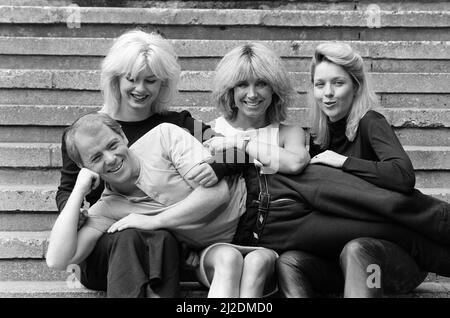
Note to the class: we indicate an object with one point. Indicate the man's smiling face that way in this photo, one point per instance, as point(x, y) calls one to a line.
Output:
point(105, 152)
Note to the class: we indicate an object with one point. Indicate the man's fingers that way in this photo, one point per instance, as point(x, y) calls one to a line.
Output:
point(116, 226)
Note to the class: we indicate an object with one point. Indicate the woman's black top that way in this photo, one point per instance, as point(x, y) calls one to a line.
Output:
point(375, 154)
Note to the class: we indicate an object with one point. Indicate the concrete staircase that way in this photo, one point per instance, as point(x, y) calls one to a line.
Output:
point(49, 61)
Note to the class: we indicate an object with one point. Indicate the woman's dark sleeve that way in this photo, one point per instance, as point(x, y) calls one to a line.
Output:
point(393, 170)
point(196, 128)
point(69, 174)
point(314, 149)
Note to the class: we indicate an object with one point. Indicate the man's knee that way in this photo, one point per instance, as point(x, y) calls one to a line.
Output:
point(363, 251)
point(293, 259)
point(127, 238)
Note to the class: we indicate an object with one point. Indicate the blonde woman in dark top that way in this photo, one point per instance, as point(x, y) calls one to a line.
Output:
point(139, 77)
point(346, 133)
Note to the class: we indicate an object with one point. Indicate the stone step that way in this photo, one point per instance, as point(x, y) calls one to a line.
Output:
point(388, 65)
point(239, 4)
point(72, 289)
point(191, 48)
point(37, 270)
point(25, 221)
point(22, 269)
point(335, 24)
point(58, 289)
point(21, 245)
point(42, 199)
point(202, 81)
point(27, 199)
point(45, 123)
point(226, 17)
point(29, 177)
point(67, 97)
point(35, 155)
point(48, 155)
point(87, 53)
point(429, 158)
point(46, 134)
point(45, 289)
point(29, 270)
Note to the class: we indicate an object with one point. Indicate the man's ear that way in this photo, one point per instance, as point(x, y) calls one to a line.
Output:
point(125, 139)
point(79, 165)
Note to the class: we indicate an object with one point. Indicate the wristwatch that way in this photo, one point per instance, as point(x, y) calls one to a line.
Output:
point(246, 140)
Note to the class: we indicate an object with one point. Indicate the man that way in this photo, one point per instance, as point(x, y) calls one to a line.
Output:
point(153, 177)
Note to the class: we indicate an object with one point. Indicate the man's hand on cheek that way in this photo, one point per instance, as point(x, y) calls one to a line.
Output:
point(87, 180)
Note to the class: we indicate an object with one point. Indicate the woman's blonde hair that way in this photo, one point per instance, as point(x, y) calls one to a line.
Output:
point(130, 55)
point(365, 99)
point(257, 61)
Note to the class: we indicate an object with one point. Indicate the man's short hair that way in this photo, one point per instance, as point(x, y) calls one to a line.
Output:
point(90, 121)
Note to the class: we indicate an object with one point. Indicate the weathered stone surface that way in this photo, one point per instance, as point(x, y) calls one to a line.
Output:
point(27, 221)
point(31, 198)
point(202, 81)
point(12, 96)
point(429, 157)
point(424, 137)
point(29, 177)
point(27, 134)
point(22, 78)
point(217, 48)
point(44, 155)
point(42, 115)
point(64, 115)
point(62, 289)
point(190, 17)
point(45, 289)
point(29, 270)
point(23, 244)
point(432, 179)
point(394, 5)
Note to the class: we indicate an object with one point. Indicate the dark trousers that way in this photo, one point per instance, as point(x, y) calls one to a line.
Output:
point(323, 208)
point(370, 266)
point(134, 263)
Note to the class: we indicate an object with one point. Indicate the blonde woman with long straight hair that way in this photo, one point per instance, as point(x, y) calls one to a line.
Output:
point(348, 134)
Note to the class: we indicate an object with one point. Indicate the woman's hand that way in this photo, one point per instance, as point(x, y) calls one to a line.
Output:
point(217, 144)
point(329, 158)
point(135, 221)
point(203, 174)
